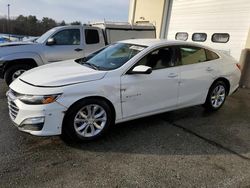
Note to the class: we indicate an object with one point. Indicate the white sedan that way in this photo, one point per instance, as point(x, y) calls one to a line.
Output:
point(81, 99)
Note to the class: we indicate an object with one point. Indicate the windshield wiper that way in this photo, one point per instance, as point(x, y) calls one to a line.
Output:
point(93, 66)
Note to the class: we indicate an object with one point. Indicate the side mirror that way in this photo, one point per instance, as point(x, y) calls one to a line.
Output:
point(141, 69)
point(51, 41)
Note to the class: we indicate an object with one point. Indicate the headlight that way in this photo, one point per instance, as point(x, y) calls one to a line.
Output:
point(36, 99)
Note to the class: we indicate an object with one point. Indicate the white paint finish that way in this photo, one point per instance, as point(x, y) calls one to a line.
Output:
point(212, 16)
point(134, 95)
point(149, 92)
point(53, 114)
point(141, 69)
point(195, 80)
point(76, 73)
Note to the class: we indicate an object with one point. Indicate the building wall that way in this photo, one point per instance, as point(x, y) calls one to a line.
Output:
point(212, 16)
point(147, 10)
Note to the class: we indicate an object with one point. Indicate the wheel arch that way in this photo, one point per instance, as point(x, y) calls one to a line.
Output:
point(225, 80)
point(100, 98)
point(28, 61)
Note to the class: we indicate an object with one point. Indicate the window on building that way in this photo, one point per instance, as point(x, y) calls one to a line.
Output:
point(181, 36)
point(91, 36)
point(220, 37)
point(67, 37)
point(211, 55)
point(192, 55)
point(199, 37)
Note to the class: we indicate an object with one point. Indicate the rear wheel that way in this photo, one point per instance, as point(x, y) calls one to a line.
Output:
point(87, 120)
point(15, 71)
point(216, 96)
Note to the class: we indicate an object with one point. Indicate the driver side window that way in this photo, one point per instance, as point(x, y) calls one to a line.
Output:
point(159, 59)
point(67, 37)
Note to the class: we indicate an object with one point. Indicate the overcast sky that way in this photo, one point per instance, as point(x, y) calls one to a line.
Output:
point(69, 10)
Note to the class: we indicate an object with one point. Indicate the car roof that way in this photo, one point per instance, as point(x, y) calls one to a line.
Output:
point(160, 42)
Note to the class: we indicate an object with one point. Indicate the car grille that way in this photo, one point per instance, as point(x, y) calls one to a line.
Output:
point(13, 109)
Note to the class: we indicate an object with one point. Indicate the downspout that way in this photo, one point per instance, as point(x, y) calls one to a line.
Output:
point(132, 11)
point(166, 18)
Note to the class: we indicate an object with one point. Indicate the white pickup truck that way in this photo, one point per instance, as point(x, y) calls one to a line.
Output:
point(63, 43)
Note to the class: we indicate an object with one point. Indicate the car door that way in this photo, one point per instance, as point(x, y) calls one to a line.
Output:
point(196, 75)
point(68, 45)
point(149, 93)
point(93, 39)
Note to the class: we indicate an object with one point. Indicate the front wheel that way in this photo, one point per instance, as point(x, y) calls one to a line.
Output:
point(14, 72)
point(216, 96)
point(87, 120)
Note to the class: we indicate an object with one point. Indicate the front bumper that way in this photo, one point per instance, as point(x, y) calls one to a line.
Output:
point(39, 120)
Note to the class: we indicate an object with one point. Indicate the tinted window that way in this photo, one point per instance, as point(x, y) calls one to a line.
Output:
point(91, 36)
point(158, 59)
point(181, 36)
point(85, 59)
point(67, 37)
point(115, 55)
point(220, 37)
point(211, 55)
point(191, 55)
point(199, 37)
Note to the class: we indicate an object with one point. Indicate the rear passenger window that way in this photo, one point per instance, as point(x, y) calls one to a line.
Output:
point(211, 55)
point(192, 55)
point(91, 36)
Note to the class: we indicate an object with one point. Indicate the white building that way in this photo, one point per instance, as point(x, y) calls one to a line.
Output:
point(221, 24)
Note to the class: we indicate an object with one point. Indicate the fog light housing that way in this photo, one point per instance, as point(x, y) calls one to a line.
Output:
point(33, 124)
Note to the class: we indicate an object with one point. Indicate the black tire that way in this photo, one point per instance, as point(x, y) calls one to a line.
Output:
point(8, 76)
point(209, 104)
point(68, 130)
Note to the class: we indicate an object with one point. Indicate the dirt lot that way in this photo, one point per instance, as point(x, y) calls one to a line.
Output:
point(184, 148)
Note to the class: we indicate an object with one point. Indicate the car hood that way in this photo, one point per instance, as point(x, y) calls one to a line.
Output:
point(18, 47)
point(61, 74)
point(9, 44)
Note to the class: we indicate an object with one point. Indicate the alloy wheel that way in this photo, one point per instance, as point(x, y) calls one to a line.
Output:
point(90, 120)
point(218, 96)
point(17, 74)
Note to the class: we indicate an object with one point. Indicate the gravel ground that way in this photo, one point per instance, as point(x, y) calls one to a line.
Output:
point(184, 148)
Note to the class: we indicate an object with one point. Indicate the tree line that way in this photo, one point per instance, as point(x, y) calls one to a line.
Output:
point(29, 25)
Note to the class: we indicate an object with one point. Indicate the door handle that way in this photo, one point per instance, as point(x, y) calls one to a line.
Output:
point(172, 75)
point(78, 49)
point(209, 69)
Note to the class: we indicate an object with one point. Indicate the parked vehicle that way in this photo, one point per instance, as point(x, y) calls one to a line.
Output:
point(4, 40)
point(63, 43)
point(131, 79)
point(30, 39)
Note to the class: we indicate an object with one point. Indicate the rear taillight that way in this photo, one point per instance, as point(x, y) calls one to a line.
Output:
point(239, 66)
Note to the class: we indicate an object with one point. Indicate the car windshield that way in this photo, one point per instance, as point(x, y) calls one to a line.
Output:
point(113, 56)
point(45, 36)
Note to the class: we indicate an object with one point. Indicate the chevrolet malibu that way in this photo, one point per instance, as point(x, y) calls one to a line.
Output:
point(81, 99)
